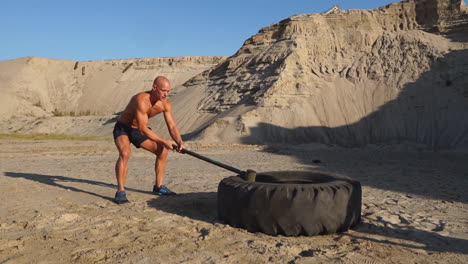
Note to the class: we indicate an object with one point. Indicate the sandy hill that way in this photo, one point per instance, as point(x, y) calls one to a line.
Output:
point(395, 74)
point(63, 96)
point(390, 75)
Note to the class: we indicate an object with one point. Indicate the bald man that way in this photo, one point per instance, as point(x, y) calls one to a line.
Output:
point(132, 127)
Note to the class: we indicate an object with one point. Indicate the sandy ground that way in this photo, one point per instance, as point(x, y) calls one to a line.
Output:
point(56, 206)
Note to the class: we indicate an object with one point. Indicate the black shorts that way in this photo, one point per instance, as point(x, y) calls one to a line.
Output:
point(134, 135)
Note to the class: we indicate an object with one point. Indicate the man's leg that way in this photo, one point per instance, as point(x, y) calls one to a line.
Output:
point(121, 166)
point(161, 159)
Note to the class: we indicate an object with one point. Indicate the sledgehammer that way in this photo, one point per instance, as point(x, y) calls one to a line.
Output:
point(248, 175)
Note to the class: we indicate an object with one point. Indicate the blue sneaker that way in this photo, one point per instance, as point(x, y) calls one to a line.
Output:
point(163, 191)
point(121, 198)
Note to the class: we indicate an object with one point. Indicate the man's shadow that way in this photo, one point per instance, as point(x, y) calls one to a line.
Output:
point(200, 206)
point(61, 182)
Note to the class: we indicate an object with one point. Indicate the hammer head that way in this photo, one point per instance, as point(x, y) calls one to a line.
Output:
point(249, 175)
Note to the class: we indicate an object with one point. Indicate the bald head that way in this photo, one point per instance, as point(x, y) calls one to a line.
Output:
point(161, 88)
point(161, 81)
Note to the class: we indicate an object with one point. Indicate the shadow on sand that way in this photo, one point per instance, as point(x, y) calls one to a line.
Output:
point(409, 177)
point(198, 206)
point(430, 241)
point(61, 182)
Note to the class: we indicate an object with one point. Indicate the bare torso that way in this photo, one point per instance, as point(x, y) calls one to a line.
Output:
point(128, 116)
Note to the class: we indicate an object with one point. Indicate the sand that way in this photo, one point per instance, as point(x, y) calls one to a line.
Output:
point(57, 205)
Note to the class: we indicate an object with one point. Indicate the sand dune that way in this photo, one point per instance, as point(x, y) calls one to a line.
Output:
point(45, 95)
point(350, 78)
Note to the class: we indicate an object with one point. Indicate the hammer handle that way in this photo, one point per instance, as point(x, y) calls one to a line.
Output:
point(212, 161)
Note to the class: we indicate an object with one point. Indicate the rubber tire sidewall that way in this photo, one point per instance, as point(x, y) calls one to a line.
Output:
point(290, 209)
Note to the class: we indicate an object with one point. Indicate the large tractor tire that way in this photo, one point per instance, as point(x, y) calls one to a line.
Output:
point(290, 203)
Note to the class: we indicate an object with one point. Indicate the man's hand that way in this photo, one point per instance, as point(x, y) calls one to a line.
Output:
point(178, 147)
point(169, 144)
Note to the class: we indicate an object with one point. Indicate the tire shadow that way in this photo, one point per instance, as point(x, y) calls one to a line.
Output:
point(430, 241)
point(200, 206)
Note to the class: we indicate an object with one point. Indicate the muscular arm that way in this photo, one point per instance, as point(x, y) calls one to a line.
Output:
point(171, 126)
point(141, 116)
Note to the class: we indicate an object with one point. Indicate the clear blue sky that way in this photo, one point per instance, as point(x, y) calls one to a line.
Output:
point(118, 29)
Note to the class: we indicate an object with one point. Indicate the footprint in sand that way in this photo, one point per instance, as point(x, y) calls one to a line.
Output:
point(66, 218)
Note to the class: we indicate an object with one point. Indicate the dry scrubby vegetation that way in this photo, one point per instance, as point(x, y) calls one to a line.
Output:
point(73, 113)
